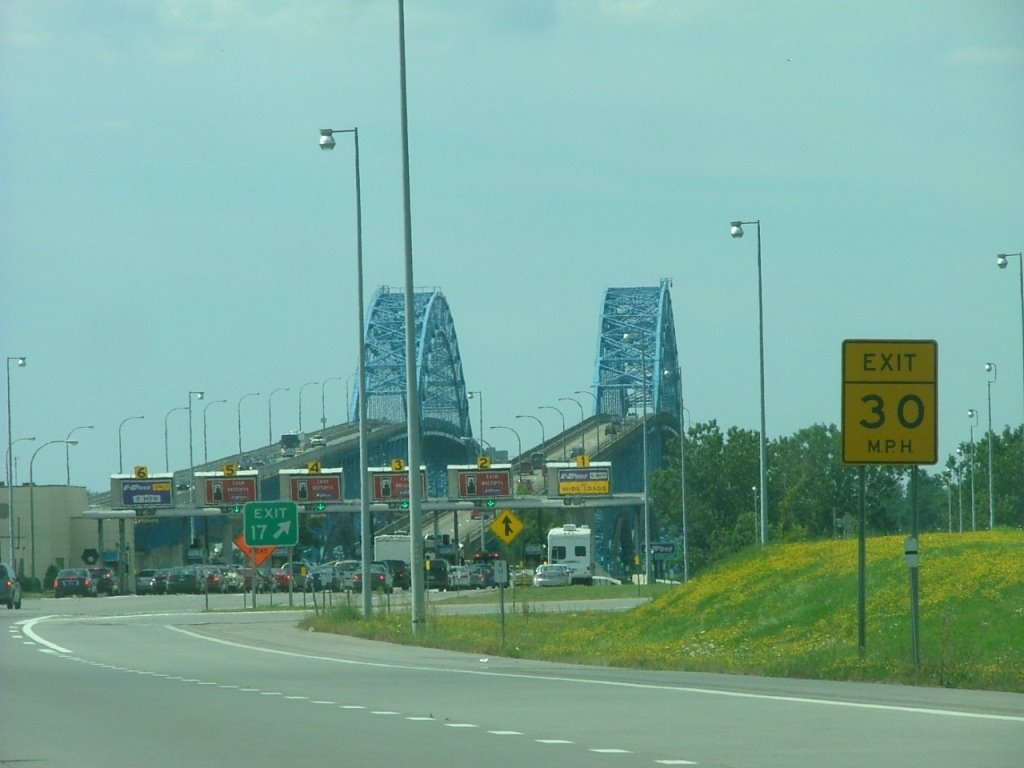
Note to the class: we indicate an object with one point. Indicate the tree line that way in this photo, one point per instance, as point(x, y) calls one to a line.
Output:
point(812, 494)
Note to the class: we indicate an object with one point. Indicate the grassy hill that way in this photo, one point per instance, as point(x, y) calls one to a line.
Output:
point(787, 610)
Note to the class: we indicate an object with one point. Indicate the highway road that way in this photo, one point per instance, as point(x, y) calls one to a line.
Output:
point(159, 682)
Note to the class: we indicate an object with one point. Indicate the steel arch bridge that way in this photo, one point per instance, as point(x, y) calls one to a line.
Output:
point(638, 368)
point(444, 407)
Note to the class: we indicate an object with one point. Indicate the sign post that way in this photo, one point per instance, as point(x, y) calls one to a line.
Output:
point(890, 416)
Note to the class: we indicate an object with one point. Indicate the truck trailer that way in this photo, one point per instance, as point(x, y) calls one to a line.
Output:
point(573, 545)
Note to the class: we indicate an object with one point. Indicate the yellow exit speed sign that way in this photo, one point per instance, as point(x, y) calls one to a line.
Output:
point(890, 411)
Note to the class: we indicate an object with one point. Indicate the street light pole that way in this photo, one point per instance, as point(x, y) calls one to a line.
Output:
point(365, 519)
point(323, 399)
point(993, 371)
point(120, 452)
point(250, 394)
point(519, 455)
point(32, 500)
point(597, 415)
point(480, 403)
point(973, 414)
point(583, 431)
point(561, 415)
point(270, 416)
point(167, 461)
point(20, 359)
point(192, 470)
point(67, 451)
point(682, 470)
point(1001, 261)
point(307, 384)
point(737, 231)
point(206, 457)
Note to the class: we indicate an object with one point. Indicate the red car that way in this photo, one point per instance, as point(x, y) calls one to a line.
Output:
point(282, 579)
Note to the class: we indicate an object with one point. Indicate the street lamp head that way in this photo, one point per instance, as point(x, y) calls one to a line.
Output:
point(991, 368)
point(70, 442)
point(1002, 261)
point(737, 229)
point(21, 362)
point(327, 139)
point(971, 413)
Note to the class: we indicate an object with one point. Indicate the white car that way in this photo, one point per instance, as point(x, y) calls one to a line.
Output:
point(317, 441)
point(552, 576)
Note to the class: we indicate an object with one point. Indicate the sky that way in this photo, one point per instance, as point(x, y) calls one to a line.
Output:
point(168, 224)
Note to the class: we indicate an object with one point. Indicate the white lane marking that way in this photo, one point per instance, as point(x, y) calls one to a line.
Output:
point(619, 684)
point(271, 693)
point(675, 762)
point(352, 706)
point(419, 717)
point(460, 725)
point(506, 733)
point(553, 741)
point(320, 701)
point(27, 628)
point(612, 751)
point(384, 712)
point(297, 698)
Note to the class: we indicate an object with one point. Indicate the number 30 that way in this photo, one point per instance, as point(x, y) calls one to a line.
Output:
point(909, 411)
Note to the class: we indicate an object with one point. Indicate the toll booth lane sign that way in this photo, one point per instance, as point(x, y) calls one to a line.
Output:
point(890, 396)
point(585, 481)
point(271, 524)
point(224, 491)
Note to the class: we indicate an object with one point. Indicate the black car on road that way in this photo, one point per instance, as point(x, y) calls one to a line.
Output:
point(10, 587)
point(74, 581)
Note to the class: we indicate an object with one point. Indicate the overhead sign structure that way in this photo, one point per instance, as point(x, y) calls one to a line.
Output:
point(271, 524)
point(389, 485)
point(566, 479)
point(147, 494)
point(890, 396)
point(313, 488)
point(506, 526)
point(471, 483)
point(224, 489)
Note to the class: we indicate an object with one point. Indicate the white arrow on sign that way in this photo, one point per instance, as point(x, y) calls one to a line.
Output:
point(283, 529)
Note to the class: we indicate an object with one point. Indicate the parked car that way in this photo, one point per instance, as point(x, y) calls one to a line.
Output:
point(458, 577)
point(106, 582)
point(264, 579)
point(436, 575)
point(232, 578)
point(380, 579)
point(74, 581)
point(145, 581)
point(160, 581)
point(185, 579)
point(552, 576)
point(400, 576)
point(345, 569)
point(214, 579)
point(10, 587)
point(323, 577)
point(282, 579)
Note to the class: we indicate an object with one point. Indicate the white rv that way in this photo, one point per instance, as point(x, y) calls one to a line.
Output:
point(573, 545)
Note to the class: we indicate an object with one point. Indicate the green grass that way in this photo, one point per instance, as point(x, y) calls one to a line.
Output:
point(785, 610)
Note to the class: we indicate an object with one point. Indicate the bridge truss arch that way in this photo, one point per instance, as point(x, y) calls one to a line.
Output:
point(637, 368)
point(444, 407)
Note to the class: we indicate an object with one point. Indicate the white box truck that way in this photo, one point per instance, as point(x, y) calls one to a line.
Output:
point(573, 545)
point(391, 546)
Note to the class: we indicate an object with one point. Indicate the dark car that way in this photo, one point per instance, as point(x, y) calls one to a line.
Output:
point(264, 579)
point(187, 579)
point(214, 579)
point(144, 581)
point(10, 587)
point(435, 574)
point(323, 577)
point(282, 579)
point(400, 576)
point(106, 583)
point(74, 581)
point(160, 581)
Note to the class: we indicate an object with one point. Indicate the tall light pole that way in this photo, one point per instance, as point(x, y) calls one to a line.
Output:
point(32, 500)
point(682, 468)
point(307, 384)
point(960, 486)
point(643, 424)
point(250, 394)
point(519, 442)
point(10, 509)
point(1002, 260)
point(419, 615)
point(206, 407)
point(323, 399)
point(543, 439)
point(120, 441)
point(973, 415)
point(583, 417)
point(597, 404)
point(565, 456)
point(192, 468)
point(20, 360)
point(480, 402)
point(167, 461)
point(270, 413)
point(365, 521)
point(67, 451)
point(737, 231)
point(993, 372)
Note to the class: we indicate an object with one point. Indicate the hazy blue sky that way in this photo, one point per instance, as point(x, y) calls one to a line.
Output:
point(167, 222)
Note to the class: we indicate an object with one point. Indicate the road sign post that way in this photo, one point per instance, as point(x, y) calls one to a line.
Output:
point(271, 523)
